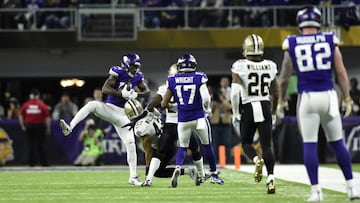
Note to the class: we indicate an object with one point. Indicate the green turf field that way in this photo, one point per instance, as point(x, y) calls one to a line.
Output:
point(355, 167)
point(111, 186)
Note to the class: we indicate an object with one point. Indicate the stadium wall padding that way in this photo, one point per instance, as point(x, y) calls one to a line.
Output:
point(64, 150)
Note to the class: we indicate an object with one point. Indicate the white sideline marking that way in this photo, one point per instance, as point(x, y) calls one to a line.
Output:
point(329, 178)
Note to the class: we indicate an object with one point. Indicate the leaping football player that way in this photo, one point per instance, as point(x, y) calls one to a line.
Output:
point(119, 87)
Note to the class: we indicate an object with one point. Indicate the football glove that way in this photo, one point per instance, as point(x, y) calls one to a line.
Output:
point(172, 107)
point(133, 94)
point(125, 92)
point(208, 112)
point(348, 106)
point(236, 119)
point(281, 107)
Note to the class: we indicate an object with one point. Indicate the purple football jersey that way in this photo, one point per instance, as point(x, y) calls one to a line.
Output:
point(123, 78)
point(186, 90)
point(312, 56)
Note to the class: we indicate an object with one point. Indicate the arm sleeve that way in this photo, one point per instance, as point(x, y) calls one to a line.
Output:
point(204, 92)
point(235, 97)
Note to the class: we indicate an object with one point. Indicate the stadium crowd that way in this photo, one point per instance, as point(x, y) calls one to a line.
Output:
point(256, 100)
point(59, 14)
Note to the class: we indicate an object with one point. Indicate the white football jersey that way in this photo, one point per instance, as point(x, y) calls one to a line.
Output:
point(256, 78)
point(171, 116)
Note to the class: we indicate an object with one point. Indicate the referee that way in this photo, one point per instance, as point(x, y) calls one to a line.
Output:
point(35, 120)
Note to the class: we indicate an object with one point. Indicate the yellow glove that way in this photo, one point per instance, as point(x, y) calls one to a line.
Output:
point(281, 107)
point(348, 106)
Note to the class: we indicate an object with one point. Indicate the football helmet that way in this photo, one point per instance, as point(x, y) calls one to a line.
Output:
point(172, 70)
point(133, 108)
point(186, 63)
point(309, 17)
point(253, 45)
point(132, 63)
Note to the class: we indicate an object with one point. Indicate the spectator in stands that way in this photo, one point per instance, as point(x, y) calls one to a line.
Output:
point(64, 109)
point(92, 139)
point(14, 108)
point(35, 120)
point(172, 18)
point(348, 14)
point(221, 122)
point(52, 19)
point(97, 96)
point(8, 18)
point(355, 95)
point(257, 14)
point(2, 112)
point(281, 14)
point(151, 17)
point(27, 20)
point(211, 17)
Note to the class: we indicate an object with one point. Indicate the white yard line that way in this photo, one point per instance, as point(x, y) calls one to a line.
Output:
point(329, 178)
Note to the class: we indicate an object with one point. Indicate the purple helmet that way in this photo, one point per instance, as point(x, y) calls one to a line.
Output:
point(309, 17)
point(186, 63)
point(131, 62)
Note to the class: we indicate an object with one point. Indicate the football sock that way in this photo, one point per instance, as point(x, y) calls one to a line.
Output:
point(343, 158)
point(131, 158)
point(311, 162)
point(180, 155)
point(210, 155)
point(270, 177)
point(255, 159)
point(154, 165)
point(315, 188)
point(349, 183)
point(199, 167)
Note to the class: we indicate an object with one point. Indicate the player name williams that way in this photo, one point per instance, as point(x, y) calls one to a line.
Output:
point(258, 67)
point(184, 80)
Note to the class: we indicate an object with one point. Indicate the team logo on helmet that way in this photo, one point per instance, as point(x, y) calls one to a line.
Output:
point(309, 17)
point(186, 63)
point(133, 108)
point(253, 45)
point(6, 149)
point(132, 63)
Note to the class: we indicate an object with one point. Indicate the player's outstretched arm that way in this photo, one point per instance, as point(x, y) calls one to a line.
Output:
point(144, 90)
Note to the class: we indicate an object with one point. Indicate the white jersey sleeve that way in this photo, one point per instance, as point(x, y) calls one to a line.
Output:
point(162, 90)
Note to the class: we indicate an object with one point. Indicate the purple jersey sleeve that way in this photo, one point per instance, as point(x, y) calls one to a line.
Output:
point(122, 78)
point(312, 56)
point(186, 90)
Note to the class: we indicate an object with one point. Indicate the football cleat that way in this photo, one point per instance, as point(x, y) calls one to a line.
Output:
point(198, 179)
point(65, 128)
point(270, 186)
point(215, 178)
point(208, 175)
point(352, 193)
point(258, 170)
point(135, 181)
point(316, 196)
point(175, 177)
point(147, 183)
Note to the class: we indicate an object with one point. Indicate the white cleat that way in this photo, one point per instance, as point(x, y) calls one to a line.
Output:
point(135, 181)
point(175, 177)
point(316, 196)
point(65, 128)
point(353, 194)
